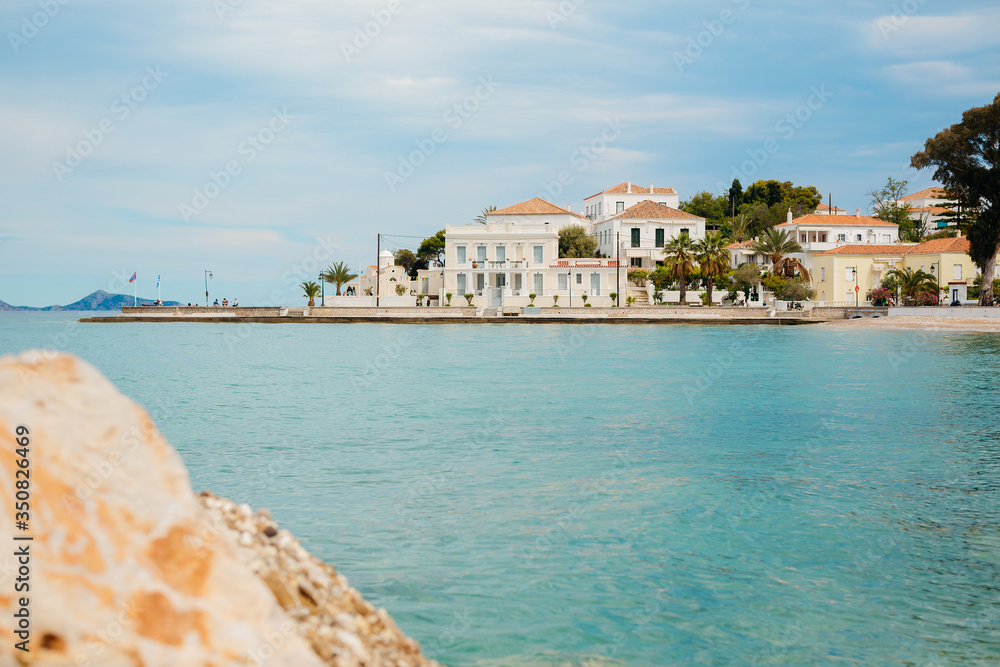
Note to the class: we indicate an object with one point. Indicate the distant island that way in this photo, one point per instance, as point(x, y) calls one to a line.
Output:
point(99, 300)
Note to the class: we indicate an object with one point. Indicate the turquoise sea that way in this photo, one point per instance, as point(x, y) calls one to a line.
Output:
point(574, 495)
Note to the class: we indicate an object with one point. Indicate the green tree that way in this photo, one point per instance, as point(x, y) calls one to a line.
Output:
point(735, 197)
point(431, 248)
point(574, 241)
point(885, 206)
point(745, 278)
point(481, 218)
point(679, 257)
point(912, 283)
point(713, 258)
point(708, 206)
point(767, 203)
point(409, 261)
point(966, 158)
point(778, 245)
point(338, 274)
point(741, 227)
point(311, 290)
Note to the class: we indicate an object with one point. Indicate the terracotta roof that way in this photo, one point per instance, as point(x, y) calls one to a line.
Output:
point(933, 210)
point(650, 210)
point(958, 244)
point(929, 193)
point(826, 207)
point(895, 249)
point(742, 245)
point(934, 246)
point(636, 190)
point(819, 220)
point(534, 206)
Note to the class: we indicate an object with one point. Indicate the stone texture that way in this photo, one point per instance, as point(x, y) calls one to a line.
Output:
point(128, 567)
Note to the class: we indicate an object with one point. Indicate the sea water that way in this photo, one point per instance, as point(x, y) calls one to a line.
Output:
point(604, 495)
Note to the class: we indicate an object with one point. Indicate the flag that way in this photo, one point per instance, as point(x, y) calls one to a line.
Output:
point(157, 281)
point(132, 279)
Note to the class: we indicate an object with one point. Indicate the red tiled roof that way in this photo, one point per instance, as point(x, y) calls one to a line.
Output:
point(534, 206)
point(929, 193)
point(742, 245)
point(819, 220)
point(635, 190)
point(826, 207)
point(650, 210)
point(933, 210)
point(934, 246)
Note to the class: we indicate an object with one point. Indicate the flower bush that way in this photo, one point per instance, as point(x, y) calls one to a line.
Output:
point(927, 299)
point(881, 296)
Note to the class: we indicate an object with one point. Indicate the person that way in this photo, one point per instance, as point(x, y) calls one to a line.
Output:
point(235, 305)
point(224, 302)
point(216, 304)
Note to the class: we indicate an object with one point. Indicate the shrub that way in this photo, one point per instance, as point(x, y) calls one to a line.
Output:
point(927, 299)
point(658, 297)
point(881, 296)
point(638, 276)
point(584, 297)
point(448, 297)
point(614, 299)
point(588, 305)
point(629, 300)
point(532, 297)
point(704, 299)
point(555, 301)
point(469, 296)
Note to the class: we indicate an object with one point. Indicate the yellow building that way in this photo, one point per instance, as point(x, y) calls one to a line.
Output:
point(850, 272)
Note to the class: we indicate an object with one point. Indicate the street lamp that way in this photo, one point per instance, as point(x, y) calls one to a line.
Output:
point(322, 285)
point(937, 277)
point(570, 281)
point(208, 274)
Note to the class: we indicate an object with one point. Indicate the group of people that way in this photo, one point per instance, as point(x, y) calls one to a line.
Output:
point(225, 303)
point(350, 291)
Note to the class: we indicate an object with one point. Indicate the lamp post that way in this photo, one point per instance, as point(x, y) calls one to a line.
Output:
point(208, 274)
point(570, 281)
point(322, 285)
point(937, 277)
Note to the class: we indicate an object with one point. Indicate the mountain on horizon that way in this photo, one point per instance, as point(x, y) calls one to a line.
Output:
point(99, 300)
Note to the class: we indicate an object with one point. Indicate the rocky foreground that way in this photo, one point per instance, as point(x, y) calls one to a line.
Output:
point(129, 568)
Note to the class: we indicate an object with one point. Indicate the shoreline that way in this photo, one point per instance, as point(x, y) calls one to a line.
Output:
point(407, 319)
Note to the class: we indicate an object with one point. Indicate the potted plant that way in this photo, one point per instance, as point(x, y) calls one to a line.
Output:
point(584, 297)
point(531, 304)
point(448, 297)
point(614, 299)
point(629, 300)
point(469, 296)
point(555, 301)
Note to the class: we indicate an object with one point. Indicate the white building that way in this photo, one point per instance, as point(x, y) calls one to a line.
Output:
point(501, 263)
point(644, 229)
point(743, 253)
point(819, 233)
point(389, 277)
point(622, 197)
point(824, 209)
point(930, 205)
point(536, 212)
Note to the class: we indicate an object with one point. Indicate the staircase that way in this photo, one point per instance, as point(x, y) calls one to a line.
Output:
point(640, 294)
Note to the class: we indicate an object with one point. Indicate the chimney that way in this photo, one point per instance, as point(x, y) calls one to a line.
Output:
point(959, 234)
point(630, 187)
point(789, 217)
point(650, 189)
point(857, 213)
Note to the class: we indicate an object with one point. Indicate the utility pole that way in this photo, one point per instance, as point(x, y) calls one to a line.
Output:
point(618, 267)
point(378, 269)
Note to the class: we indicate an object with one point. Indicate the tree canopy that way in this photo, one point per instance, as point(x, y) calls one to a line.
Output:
point(966, 160)
point(431, 248)
point(767, 203)
point(575, 242)
point(885, 206)
point(706, 205)
point(409, 262)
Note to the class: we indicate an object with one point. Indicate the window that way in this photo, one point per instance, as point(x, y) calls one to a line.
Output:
point(858, 237)
point(563, 282)
point(460, 285)
point(481, 253)
point(538, 254)
point(595, 284)
point(600, 205)
point(480, 281)
point(958, 272)
point(802, 238)
point(659, 238)
point(620, 206)
point(539, 283)
point(423, 285)
point(517, 282)
point(635, 237)
point(823, 238)
point(886, 238)
point(685, 230)
point(579, 279)
point(841, 238)
point(635, 261)
point(822, 275)
point(460, 254)
point(850, 274)
point(501, 253)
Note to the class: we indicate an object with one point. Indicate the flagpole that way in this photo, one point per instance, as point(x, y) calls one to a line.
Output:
point(135, 293)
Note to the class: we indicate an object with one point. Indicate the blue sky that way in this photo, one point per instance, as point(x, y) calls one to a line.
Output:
point(254, 138)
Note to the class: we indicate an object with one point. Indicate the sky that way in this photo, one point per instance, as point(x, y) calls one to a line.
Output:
point(263, 141)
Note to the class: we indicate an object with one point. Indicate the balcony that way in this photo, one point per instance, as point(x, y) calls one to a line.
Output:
point(488, 265)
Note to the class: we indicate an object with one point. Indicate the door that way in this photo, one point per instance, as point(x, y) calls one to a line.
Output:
point(595, 284)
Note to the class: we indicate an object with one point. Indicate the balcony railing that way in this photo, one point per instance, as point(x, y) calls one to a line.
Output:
point(507, 265)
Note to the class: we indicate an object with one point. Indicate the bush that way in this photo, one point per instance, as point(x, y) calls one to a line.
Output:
point(638, 276)
point(881, 296)
point(657, 297)
point(532, 297)
point(927, 299)
point(469, 296)
point(661, 278)
point(555, 301)
point(614, 299)
point(448, 296)
point(704, 299)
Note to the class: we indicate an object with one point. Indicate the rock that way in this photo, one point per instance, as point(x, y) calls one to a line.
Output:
point(130, 568)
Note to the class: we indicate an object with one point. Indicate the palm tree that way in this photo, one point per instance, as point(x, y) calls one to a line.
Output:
point(913, 283)
point(777, 245)
point(713, 258)
point(481, 218)
point(741, 225)
point(338, 274)
point(679, 256)
point(312, 290)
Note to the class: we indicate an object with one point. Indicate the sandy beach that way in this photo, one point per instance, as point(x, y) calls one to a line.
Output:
point(976, 324)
